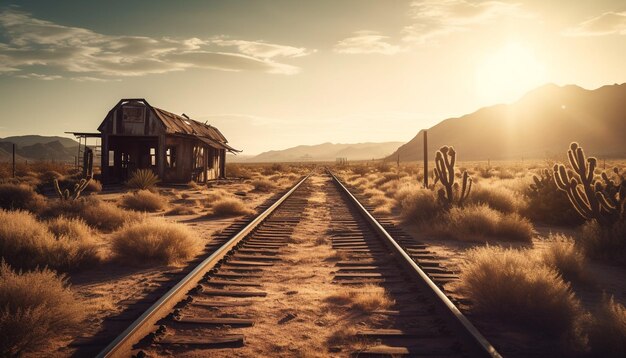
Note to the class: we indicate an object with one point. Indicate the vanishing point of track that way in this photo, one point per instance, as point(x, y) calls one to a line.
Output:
point(422, 320)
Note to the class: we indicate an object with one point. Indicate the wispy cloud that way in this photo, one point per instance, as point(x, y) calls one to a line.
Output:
point(39, 76)
point(609, 23)
point(434, 18)
point(32, 41)
point(367, 42)
point(430, 20)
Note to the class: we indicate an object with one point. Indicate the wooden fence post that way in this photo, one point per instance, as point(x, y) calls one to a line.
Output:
point(425, 159)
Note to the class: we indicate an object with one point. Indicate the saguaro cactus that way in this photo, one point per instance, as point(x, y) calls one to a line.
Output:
point(592, 199)
point(445, 159)
point(75, 194)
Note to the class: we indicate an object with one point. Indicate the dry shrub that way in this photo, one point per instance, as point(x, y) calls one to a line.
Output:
point(155, 241)
point(143, 200)
point(35, 307)
point(93, 186)
point(607, 330)
point(497, 197)
point(367, 298)
point(142, 179)
point(231, 207)
point(606, 243)
point(360, 169)
point(515, 287)
point(562, 254)
point(263, 185)
point(95, 212)
point(215, 195)
point(27, 243)
point(71, 228)
point(481, 223)
point(50, 175)
point(548, 204)
point(181, 210)
point(237, 171)
point(417, 204)
point(20, 197)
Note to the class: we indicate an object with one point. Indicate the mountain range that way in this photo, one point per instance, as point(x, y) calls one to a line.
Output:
point(36, 147)
point(327, 152)
point(539, 125)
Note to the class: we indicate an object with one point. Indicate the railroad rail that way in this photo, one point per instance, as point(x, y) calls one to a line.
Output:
point(204, 310)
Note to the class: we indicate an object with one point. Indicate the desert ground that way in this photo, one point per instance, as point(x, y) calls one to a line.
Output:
point(534, 276)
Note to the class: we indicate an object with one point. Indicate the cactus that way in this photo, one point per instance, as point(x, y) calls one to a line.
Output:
point(445, 159)
point(75, 194)
point(541, 181)
point(592, 199)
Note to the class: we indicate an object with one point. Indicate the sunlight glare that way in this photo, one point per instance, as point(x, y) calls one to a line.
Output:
point(508, 73)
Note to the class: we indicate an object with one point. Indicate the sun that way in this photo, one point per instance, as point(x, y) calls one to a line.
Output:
point(508, 73)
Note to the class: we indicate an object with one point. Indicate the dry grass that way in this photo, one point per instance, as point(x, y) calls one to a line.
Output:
point(71, 228)
point(417, 204)
point(142, 179)
point(20, 197)
point(367, 298)
point(215, 195)
point(153, 241)
point(497, 197)
point(514, 286)
point(607, 330)
point(35, 307)
point(562, 254)
point(27, 243)
point(263, 185)
point(230, 207)
point(604, 242)
point(481, 224)
point(143, 200)
point(95, 212)
point(181, 210)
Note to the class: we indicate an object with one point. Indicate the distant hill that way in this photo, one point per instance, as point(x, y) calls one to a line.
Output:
point(328, 152)
point(542, 123)
point(35, 147)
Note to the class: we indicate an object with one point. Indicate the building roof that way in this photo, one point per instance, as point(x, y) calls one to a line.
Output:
point(175, 124)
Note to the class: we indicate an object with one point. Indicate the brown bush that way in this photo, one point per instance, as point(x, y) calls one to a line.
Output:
point(417, 204)
point(263, 185)
point(230, 207)
point(562, 254)
point(71, 228)
point(515, 287)
point(93, 186)
point(607, 330)
point(96, 213)
point(27, 243)
point(35, 308)
point(497, 197)
point(606, 243)
point(155, 241)
point(480, 224)
point(142, 179)
point(143, 200)
point(20, 197)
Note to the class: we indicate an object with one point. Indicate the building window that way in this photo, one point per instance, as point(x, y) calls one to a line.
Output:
point(111, 158)
point(170, 157)
point(153, 156)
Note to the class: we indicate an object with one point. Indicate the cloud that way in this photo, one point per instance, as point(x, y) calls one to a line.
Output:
point(365, 42)
point(609, 23)
point(31, 41)
point(40, 76)
point(435, 18)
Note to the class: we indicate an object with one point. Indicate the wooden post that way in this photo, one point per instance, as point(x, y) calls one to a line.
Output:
point(13, 160)
point(425, 159)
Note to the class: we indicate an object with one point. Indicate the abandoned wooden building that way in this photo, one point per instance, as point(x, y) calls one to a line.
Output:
point(136, 135)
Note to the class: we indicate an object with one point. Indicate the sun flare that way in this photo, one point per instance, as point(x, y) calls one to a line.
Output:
point(506, 74)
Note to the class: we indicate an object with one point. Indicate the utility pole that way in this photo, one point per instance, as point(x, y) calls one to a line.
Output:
point(13, 160)
point(425, 159)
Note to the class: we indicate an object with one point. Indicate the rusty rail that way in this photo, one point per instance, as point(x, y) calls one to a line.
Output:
point(122, 345)
point(476, 340)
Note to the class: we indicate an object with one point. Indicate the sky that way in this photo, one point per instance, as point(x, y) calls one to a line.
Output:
point(275, 74)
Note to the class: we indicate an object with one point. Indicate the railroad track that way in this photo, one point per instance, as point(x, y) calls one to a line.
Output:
point(229, 304)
